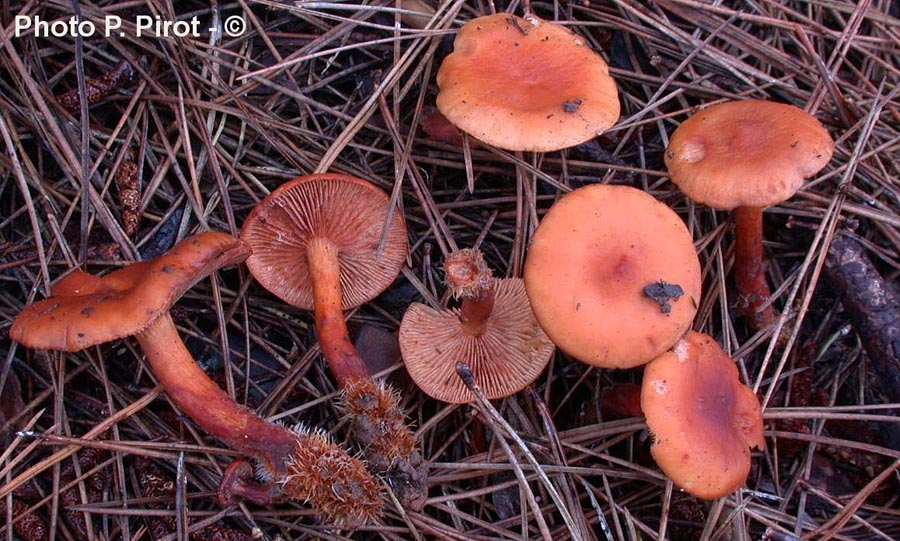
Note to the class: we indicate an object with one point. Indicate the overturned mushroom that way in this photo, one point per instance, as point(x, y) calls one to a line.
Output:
point(315, 245)
point(493, 331)
point(87, 310)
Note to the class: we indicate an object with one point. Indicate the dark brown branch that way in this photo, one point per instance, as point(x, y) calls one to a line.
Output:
point(874, 310)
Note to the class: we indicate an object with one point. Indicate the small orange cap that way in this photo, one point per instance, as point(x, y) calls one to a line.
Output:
point(703, 419)
point(509, 354)
point(349, 212)
point(750, 153)
point(526, 84)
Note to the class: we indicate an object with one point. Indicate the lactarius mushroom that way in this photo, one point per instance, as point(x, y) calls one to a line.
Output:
point(526, 84)
point(87, 310)
point(315, 245)
point(493, 331)
point(612, 276)
point(703, 419)
point(746, 155)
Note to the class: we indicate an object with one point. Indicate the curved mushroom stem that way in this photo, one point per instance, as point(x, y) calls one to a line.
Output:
point(469, 278)
point(198, 396)
point(750, 269)
point(294, 464)
point(325, 273)
point(378, 422)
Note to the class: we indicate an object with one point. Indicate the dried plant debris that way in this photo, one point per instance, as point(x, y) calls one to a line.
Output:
point(159, 487)
point(662, 292)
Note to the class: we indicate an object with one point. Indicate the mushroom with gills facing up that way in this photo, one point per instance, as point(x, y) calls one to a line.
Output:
point(612, 276)
point(493, 331)
point(523, 83)
point(744, 156)
point(87, 310)
point(703, 419)
point(316, 243)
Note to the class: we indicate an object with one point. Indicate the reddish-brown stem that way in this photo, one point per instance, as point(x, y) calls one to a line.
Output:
point(374, 409)
point(295, 465)
point(198, 396)
point(620, 401)
point(476, 310)
point(325, 273)
point(750, 268)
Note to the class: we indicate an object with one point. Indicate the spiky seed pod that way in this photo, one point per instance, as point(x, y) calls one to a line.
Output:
point(388, 444)
point(336, 484)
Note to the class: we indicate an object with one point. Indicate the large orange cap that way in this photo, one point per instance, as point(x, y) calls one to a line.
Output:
point(86, 310)
point(703, 419)
point(613, 276)
point(349, 212)
point(526, 84)
point(509, 354)
point(749, 153)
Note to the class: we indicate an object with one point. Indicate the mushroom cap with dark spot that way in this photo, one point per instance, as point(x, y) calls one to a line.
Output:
point(87, 310)
point(703, 419)
point(750, 153)
point(526, 84)
point(349, 212)
point(590, 260)
point(510, 353)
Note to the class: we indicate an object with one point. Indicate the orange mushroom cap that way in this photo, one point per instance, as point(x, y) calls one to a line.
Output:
point(526, 84)
point(87, 310)
point(750, 153)
point(604, 272)
point(703, 419)
point(510, 353)
point(347, 211)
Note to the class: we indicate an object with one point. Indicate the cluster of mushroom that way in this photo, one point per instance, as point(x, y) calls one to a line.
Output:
point(612, 278)
point(314, 242)
point(295, 463)
point(618, 292)
point(612, 275)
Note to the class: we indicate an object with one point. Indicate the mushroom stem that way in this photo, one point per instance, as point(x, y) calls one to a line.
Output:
point(374, 409)
point(324, 271)
point(294, 464)
point(476, 310)
point(201, 399)
point(749, 268)
point(469, 278)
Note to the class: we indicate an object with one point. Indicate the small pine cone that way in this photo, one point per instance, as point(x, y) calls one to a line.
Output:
point(98, 88)
point(128, 182)
point(26, 524)
point(388, 443)
point(93, 486)
point(218, 532)
point(336, 484)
